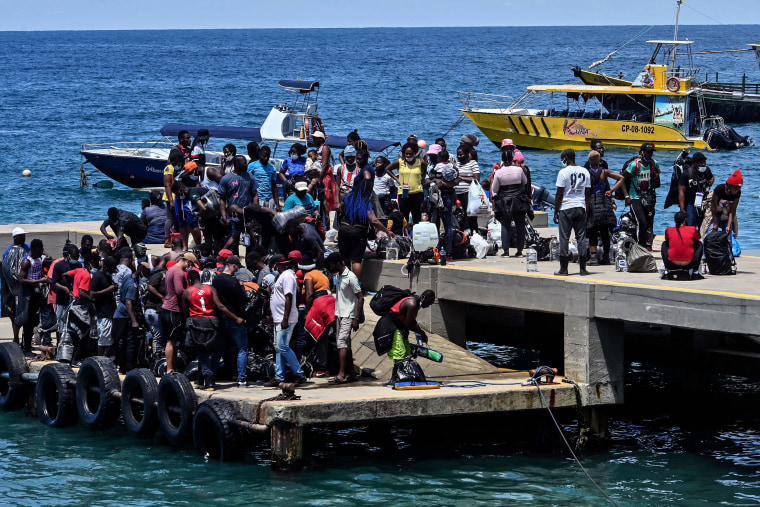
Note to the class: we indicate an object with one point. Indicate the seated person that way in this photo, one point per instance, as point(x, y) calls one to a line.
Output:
point(682, 248)
point(301, 198)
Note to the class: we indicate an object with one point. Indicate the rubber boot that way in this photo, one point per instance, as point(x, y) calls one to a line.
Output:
point(593, 259)
point(582, 262)
point(563, 262)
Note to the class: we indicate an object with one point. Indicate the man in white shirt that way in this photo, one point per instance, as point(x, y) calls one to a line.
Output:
point(570, 205)
point(349, 301)
point(285, 316)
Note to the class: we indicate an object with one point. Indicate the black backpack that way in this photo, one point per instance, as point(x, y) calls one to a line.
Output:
point(386, 297)
point(718, 254)
point(619, 194)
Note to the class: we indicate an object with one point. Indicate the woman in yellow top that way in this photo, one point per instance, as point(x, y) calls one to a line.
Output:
point(411, 174)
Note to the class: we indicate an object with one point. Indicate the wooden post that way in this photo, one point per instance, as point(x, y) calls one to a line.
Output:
point(287, 446)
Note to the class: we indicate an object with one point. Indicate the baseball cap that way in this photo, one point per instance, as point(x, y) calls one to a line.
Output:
point(435, 149)
point(234, 259)
point(350, 151)
point(318, 134)
point(276, 259)
point(295, 255)
point(519, 156)
point(301, 186)
point(647, 147)
point(18, 231)
point(224, 253)
point(189, 257)
point(506, 142)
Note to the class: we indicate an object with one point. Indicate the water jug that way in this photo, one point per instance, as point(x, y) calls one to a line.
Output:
point(531, 258)
point(554, 249)
point(424, 236)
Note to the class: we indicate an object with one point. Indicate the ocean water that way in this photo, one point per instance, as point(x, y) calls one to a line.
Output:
point(62, 89)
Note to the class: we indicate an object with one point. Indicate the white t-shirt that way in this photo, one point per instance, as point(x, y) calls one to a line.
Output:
point(467, 170)
point(383, 185)
point(345, 294)
point(286, 284)
point(575, 180)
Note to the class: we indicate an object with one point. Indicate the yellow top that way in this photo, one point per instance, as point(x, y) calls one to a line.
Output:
point(169, 169)
point(410, 175)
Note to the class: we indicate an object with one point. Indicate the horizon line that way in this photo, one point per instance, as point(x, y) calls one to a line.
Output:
point(347, 28)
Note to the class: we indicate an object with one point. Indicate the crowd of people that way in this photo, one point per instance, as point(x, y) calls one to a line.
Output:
point(105, 299)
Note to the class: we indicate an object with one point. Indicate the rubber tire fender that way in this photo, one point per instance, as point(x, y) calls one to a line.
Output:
point(139, 395)
point(13, 390)
point(55, 396)
point(177, 404)
point(97, 380)
point(214, 434)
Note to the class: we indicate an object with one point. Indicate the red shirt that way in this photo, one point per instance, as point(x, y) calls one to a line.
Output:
point(681, 248)
point(81, 279)
point(201, 304)
point(320, 316)
point(397, 309)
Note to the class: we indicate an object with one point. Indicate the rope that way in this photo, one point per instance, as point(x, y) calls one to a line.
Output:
point(456, 124)
point(606, 58)
point(569, 448)
point(48, 177)
point(702, 13)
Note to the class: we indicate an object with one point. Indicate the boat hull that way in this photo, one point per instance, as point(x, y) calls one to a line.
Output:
point(559, 133)
point(732, 105)
point(134, 172)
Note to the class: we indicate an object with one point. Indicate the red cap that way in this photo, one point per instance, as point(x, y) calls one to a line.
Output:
point(295, 256)
point(735, 179)
point(224, 253)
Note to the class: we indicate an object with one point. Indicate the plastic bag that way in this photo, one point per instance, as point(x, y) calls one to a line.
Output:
point(494, 231)
point(736, 249)
point(638, 258)
point(332, 235)
point(477, 202)
point(283, 218)
point(480, 244)
point(407, 370)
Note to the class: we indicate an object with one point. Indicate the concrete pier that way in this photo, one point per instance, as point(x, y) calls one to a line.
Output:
point(589, 313)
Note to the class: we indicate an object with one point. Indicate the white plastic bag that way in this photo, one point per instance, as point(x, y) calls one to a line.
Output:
point(332, 235)
point(477, 202)
point(494, 231)
point(480, 245)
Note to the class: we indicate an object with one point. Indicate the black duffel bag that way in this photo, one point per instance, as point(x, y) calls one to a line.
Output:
point(718, 253)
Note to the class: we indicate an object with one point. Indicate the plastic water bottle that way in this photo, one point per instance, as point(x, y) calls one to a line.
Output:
point(391, 250)
point(531, 260)
point(554, 249)
point(442, 253)
point(621, 264)
point(703, 267)
point(425, 352)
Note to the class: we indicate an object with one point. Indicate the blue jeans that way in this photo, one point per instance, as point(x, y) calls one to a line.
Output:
point(238, 336)
point(153, 319)
point(208, 362)
point(447, 217)
point(284, 354)
point(691, 213)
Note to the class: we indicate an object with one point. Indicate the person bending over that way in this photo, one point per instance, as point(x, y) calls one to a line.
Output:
point(682, 248)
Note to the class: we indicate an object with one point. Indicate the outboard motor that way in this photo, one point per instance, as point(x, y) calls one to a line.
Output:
point(542, 197)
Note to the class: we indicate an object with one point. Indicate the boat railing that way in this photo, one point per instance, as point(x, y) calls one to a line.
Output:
point(128, 147)
point(742, 88)
point(683, 73)
point(474, 100)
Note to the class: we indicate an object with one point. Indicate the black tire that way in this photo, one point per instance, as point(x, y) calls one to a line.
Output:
point(139, 393)
point(55, 396)
point(13, 390)
point(97, 380)
point(213, 432)
point(192, 370)
point(176, 407)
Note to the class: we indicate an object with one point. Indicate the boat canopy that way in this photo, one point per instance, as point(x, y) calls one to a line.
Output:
point(597, 90)
point(254, 134)
point(244, 133)
point(677, 42)
point(299, 86)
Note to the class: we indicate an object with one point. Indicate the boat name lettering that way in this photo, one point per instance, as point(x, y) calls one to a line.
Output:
point(573, 128)
point(638, 129)
point(152, 169)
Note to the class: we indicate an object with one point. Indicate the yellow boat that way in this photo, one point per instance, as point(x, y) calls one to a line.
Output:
point(663, 119)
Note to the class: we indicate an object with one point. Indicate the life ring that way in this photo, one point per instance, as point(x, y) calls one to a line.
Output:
point(673, 84)
point(55, 396)
point(97, 382)
point(176, 407)
point(317, 125)
point(13, 390)
point(138, 402)
point(214, 433)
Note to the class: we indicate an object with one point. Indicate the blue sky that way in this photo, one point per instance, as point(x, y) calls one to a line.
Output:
point(162, 14)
